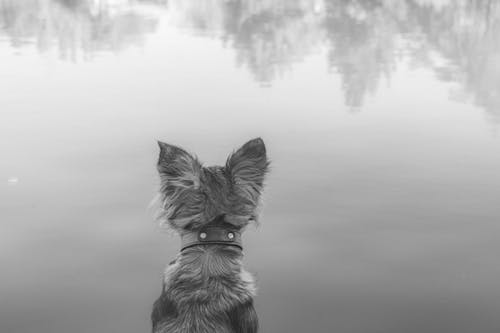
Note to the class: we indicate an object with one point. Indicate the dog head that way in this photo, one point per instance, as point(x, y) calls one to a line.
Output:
point(193, 195)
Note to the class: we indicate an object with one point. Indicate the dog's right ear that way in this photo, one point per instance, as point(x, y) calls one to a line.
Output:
point(177, 167)
point(247, 168)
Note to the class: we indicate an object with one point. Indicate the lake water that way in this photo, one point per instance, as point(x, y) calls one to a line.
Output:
point(382, 120)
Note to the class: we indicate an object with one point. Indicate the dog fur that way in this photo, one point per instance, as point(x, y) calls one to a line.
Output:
point(205, 289)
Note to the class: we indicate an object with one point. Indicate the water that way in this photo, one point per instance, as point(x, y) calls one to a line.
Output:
point(381, 119)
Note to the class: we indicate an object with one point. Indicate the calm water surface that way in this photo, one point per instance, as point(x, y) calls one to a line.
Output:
point(382, 120)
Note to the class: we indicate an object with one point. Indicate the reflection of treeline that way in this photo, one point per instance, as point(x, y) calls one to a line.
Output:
point(73, 25)
point(467, 35)
point(364, 38)
point(458, 39)
point(271, 35)
point(268, 35)
point(360, 37)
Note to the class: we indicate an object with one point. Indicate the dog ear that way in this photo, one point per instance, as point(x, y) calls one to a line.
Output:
point(247, 168)
point(177, 167)
point(180, 174)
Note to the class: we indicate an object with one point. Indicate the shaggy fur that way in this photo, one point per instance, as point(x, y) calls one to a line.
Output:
point(206, 289)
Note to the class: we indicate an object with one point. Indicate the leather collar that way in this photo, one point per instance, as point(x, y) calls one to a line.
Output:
point(211, 235)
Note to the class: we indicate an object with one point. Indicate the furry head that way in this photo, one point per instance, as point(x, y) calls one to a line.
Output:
point(192, 195)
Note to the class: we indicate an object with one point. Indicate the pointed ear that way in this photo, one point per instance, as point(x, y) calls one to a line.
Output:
point(177, 167)
point(247, 168)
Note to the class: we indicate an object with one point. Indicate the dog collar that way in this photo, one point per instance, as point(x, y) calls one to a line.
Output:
point(211, 235)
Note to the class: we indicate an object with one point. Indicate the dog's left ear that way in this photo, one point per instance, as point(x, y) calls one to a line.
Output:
point(247, 168)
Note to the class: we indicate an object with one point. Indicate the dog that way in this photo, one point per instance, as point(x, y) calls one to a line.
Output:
point(205, 289)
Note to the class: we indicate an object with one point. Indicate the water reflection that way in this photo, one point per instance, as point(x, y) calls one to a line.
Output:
point(365, 41)
point(269, 36)
point(77, 28)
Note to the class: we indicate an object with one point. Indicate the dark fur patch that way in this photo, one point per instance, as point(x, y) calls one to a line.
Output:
point(163, 308)
point(243, 318)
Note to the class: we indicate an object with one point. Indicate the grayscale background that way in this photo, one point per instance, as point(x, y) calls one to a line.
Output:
point(382, 120)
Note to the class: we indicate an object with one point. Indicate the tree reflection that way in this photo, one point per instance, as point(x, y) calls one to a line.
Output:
point(271, 35)
point(268, 36)
point(73, 26)
point(467, 35)
point(361, 45)
point(459, 40)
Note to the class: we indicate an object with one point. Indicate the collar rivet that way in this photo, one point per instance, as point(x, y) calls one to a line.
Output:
point(230, 235)
point(203, 235)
